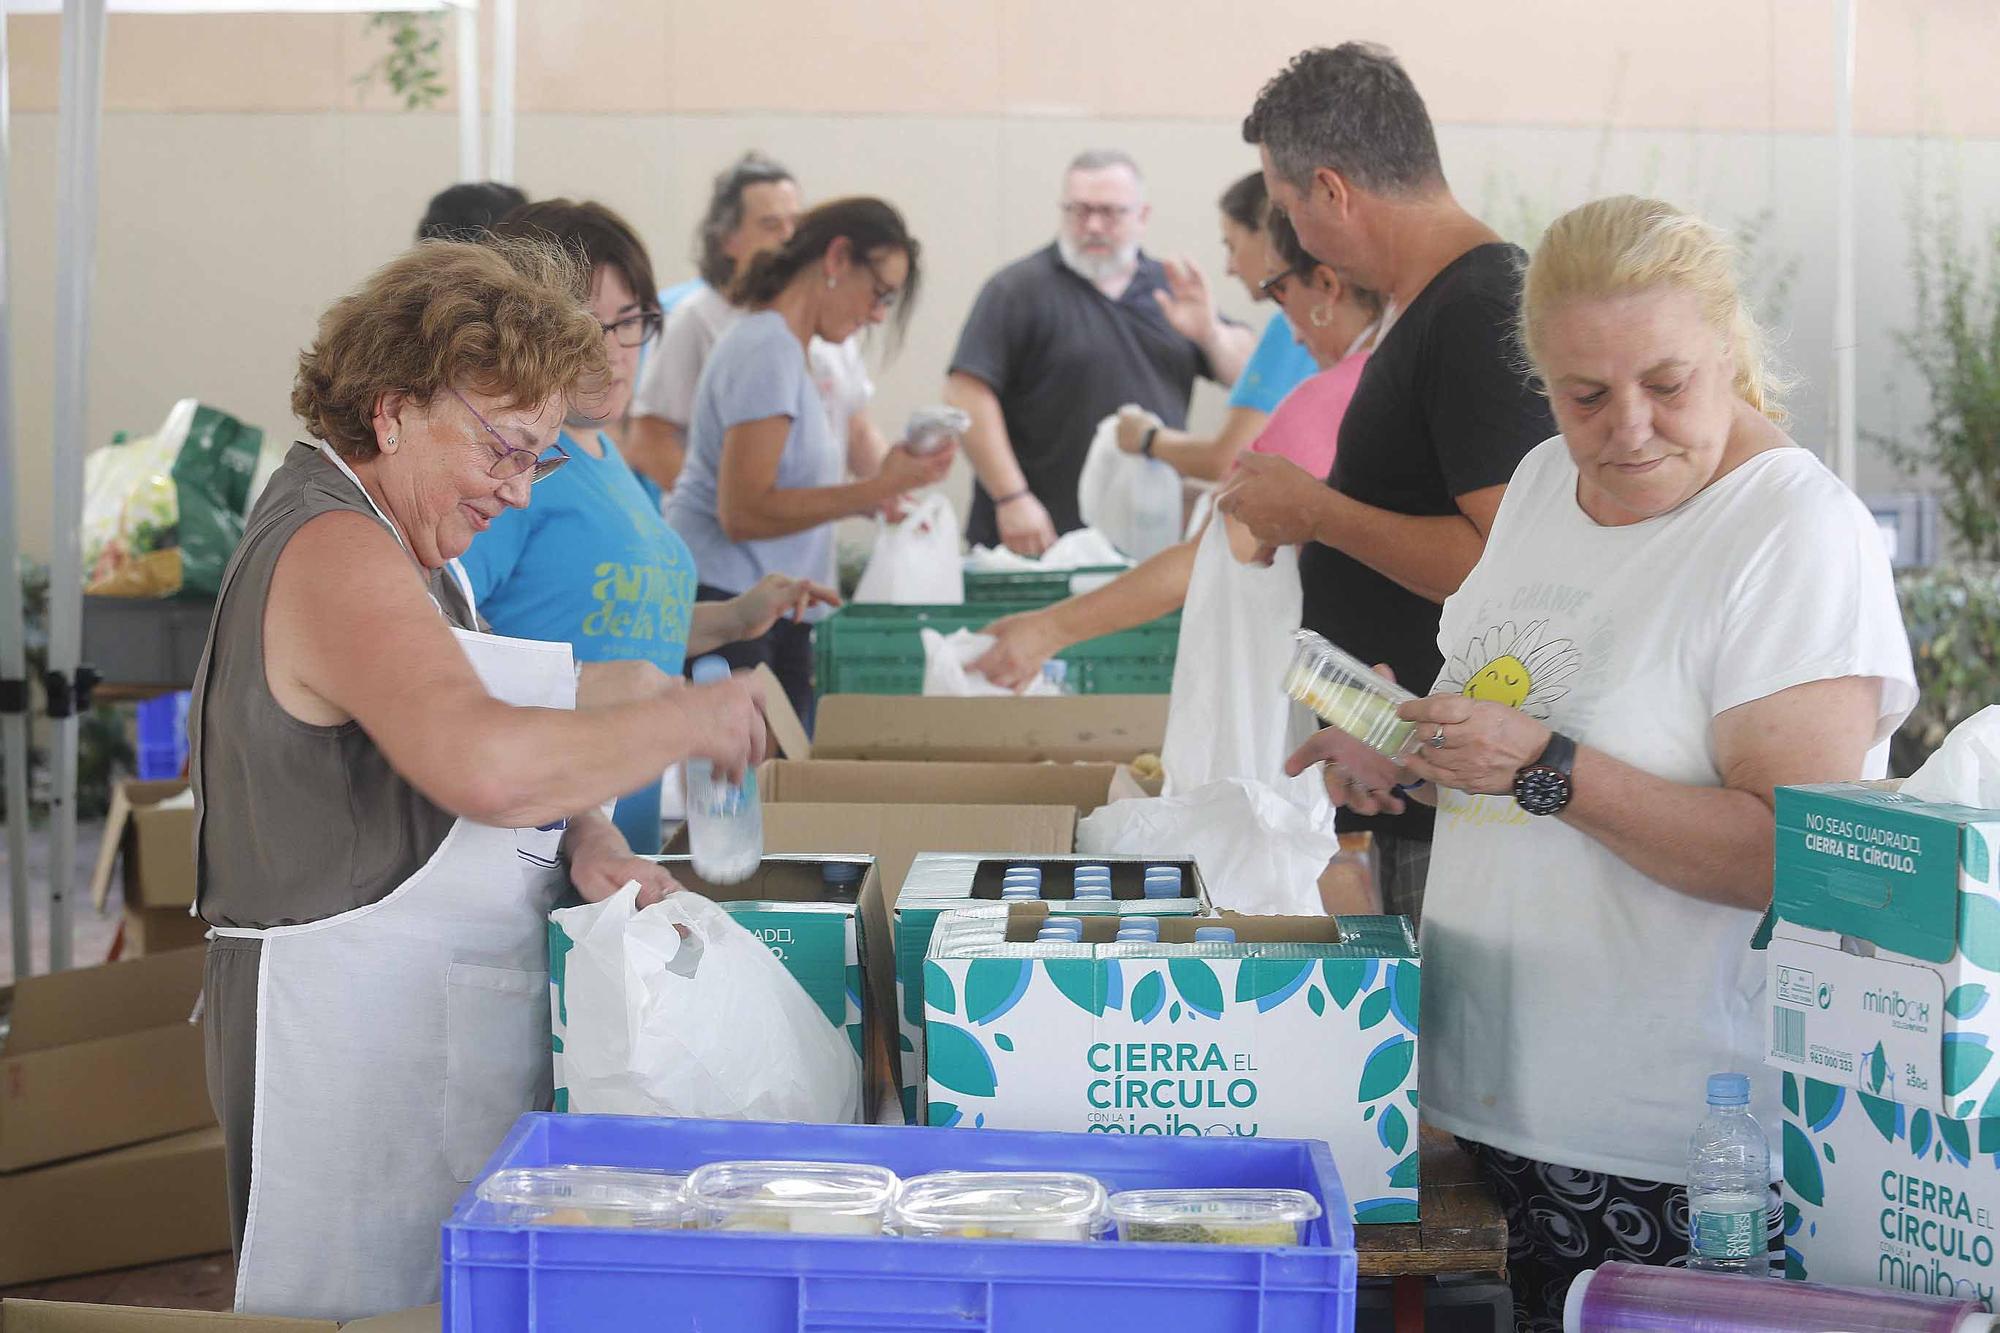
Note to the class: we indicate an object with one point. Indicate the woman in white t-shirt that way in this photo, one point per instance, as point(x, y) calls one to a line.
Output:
point(1678, 609)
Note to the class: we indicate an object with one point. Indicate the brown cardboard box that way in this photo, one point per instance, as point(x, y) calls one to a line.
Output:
point(158, 846)
point(61, 1317)
point(1084, 787)
point(895, 834)
point(101, 1057)
point(157, 930)
point(167, 1199)
point(1092, 728)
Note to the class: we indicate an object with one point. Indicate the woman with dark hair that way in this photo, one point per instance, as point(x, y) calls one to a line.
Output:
point(762, 487)
point(1279, 364)
point(592, 564)
point(753, 207)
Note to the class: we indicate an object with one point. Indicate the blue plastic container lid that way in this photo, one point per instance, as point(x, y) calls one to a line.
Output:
point(1728, 1090)
point(708, 670)
point(1214, 935)
point(842, 872)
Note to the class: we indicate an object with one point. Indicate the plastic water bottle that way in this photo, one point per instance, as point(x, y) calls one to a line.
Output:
point(1055, 674)
point(725, 819)
point(1729, 1178)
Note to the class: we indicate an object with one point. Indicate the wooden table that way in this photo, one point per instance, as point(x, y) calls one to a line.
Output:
point(1460, 1229)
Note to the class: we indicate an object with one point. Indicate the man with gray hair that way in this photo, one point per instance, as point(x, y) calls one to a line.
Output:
point(1440, 418)
point(1065, 337)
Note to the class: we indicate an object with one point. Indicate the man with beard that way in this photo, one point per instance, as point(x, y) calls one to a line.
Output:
point(1065, 337)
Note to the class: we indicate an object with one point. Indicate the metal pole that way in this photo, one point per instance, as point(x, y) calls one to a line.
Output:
point(466, 22)
point(13, 657)
point(1845, 454)
point(500, 166)
point(67, 688)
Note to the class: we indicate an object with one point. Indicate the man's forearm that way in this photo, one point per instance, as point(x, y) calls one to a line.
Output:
point(1228, 347)
point(986, 443)
point(1428, 555)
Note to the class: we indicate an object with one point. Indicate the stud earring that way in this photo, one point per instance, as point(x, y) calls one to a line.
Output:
point(391, 442)
point(829, 282)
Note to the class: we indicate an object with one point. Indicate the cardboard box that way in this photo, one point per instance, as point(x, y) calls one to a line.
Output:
point(1306, 1027)
point(167, 1199)
point(895, 835)
point(839, 952)
point(941, 882)
point(101, 1057)
point(1115, 728)
point(157, 846)
point(1083, 786)
point(1879, 1194)
point(158, 930)
point(63, 1317)
point(1884, 960)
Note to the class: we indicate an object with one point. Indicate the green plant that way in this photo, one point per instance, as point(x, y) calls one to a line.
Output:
point(103, 745)
point(1952, 613)
point(412, 68)
point(1954, 346)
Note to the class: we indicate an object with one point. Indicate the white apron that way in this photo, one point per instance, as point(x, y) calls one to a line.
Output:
point(396, 1045)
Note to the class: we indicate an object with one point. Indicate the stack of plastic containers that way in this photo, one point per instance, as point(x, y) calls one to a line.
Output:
point(851, 1226)
point(1347, 694)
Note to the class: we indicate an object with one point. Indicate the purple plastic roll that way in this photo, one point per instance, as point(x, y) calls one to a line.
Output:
point(1632, 1298)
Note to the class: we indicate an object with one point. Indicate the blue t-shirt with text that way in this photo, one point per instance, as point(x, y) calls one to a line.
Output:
point(591, 563)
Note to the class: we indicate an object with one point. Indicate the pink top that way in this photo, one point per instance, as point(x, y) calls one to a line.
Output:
point(1305, 428)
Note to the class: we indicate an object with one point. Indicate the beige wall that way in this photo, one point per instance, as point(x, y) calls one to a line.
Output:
point(247, 180)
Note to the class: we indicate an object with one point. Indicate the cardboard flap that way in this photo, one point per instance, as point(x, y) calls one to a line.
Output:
point(895, 834)
point(897, 782)
point(787, 733)
point(94, 1002)
point(61, 1317)
point(1867, 862)
point(115, 820)
point(1087, 728)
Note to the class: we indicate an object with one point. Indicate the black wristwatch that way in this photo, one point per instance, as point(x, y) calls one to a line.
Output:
point(1146, 441)
point(1546, 786)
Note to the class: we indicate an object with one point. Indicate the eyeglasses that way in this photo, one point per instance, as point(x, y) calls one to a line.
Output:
point(886, 295)
point(1108, 212)
point(636, 330)
point(512, 461)
point(1274, 286)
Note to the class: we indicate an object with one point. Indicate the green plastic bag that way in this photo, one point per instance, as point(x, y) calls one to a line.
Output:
point(212, 474)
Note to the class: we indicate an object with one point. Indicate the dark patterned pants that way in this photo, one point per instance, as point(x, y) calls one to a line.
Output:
point(1562, 1221)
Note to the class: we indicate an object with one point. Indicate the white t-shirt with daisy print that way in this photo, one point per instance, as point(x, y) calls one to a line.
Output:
point(1573, 1007)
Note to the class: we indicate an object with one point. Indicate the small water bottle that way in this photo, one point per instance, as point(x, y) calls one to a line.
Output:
point(1729, 1179)
point(725, 819)
point(1055, 674)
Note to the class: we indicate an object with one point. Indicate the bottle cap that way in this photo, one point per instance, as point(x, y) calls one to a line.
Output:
point(709, 670)
point(1728, 1090)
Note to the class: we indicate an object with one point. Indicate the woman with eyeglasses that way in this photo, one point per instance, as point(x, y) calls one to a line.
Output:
point(390, 798)
point(1336, 321)
point(762, 487)
point(592, 563)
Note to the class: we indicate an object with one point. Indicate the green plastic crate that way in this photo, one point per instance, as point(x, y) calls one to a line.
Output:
point(876, 649)
point(1033, 587)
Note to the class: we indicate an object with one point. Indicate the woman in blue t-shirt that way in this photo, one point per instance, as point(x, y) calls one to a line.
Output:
point(761, 487)
point(592, 563)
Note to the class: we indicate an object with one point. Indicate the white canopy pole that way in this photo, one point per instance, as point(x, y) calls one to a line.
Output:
point(500, 166)
point(466, 23)
point(1846, 461)
point(76, 261)
point(13, 657)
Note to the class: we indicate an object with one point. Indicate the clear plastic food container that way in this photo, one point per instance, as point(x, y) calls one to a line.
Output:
point(931, 428)
point(804, 1198)
point(1001, 1205)
point(1346, 694)
point(1214, 1217)
point(587, 1196)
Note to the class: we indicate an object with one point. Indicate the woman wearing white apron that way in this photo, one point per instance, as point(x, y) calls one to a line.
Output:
point(388, 797)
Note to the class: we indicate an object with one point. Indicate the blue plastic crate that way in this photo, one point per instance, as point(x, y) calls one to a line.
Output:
point(503, 1279)
point(163, 736)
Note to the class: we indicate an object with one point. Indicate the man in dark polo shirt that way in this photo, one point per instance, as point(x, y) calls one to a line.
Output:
point(1065, 337)
point(1443, 412)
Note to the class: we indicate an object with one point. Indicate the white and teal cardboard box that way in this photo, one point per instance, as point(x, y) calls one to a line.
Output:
point(1883, 965)
point(1306, 1027)
point(941, 882)
point(835, 945)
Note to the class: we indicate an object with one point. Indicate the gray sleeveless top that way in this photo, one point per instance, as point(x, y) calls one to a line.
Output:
point(295, 822)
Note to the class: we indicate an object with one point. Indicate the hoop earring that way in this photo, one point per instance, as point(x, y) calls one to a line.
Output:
point(1321, 316)
point(829, 282)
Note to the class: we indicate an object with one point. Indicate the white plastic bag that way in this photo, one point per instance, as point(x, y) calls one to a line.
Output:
point(709, 1025)
point(916, 562)
point(1965, 770)
point(1085, 548)
point(948, 669)
point(1229, 715)
point(1257, 851)
point(1135, 501)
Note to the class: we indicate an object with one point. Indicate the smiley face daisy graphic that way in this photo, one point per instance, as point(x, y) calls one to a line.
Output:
point(1517, 666)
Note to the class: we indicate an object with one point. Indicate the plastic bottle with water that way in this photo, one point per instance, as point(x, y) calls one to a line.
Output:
point(1729, 1179)
point(725, 819)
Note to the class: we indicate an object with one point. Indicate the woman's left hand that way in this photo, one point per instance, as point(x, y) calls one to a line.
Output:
point(1472, 745)
point(597, 878)
point(778, 597)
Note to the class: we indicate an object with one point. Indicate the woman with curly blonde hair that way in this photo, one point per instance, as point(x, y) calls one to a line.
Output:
point(389, 798)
